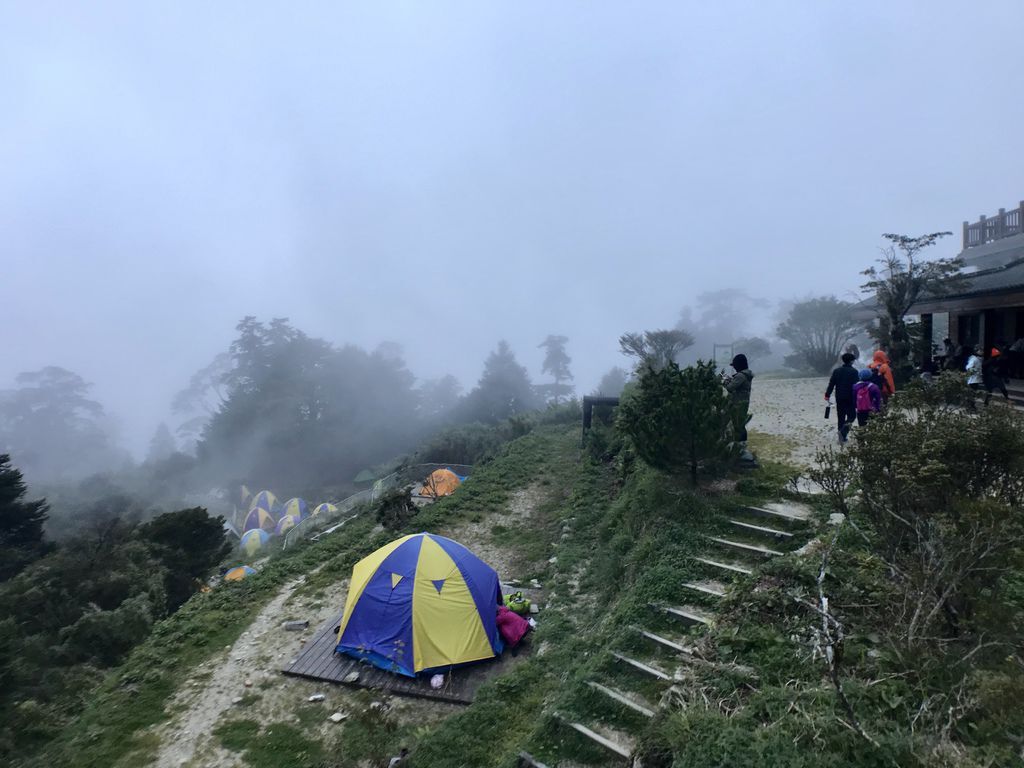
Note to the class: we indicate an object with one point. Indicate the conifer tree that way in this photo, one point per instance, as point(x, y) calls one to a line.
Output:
point(681, 419)
point(556, 364)
point(21, 522)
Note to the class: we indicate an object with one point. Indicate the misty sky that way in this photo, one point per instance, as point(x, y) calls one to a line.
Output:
point(446, 174)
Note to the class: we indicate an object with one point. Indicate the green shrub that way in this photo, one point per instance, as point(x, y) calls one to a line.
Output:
point(681, 419)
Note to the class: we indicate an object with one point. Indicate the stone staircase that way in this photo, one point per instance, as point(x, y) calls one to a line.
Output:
point(637, 680)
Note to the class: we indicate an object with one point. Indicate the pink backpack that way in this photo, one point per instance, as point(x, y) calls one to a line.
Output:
point(864, 397)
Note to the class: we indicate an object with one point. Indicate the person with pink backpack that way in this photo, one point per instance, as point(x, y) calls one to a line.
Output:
point(867, 397)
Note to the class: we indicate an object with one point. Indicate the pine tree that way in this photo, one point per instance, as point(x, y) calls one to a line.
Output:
point(21, 522)
point(162, 446)
point(556, 364)
point(681, 419)
point(504, 389)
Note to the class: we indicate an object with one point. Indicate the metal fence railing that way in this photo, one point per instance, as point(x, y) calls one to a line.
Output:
point(401, 478)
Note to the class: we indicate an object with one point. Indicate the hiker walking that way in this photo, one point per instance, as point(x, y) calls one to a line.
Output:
point(880, 365)
point(867, 397)
point(738, 386)
point(948, 354)
point(841, 382)
point(993, 374)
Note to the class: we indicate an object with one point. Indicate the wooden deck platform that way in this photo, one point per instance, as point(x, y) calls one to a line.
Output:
point(318, 661)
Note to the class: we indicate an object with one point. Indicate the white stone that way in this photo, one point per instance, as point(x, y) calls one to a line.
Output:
point(836, 518)
point(351, 677)
point(316, 697)
point(338, 717)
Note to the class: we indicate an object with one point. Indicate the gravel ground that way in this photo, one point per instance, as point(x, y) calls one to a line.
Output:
point(793, 410)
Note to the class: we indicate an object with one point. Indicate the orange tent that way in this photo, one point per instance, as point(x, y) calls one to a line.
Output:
point(440, 482)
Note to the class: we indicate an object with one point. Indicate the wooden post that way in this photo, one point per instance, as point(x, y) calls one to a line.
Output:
point(966, 226)
point(982, 234)
point(1001, 224)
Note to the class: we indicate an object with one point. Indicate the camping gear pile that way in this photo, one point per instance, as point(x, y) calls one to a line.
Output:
point(267, 518)
point(425, 603)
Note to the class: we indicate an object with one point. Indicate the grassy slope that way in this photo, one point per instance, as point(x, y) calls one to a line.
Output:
point(114, 728)
point(621, 540)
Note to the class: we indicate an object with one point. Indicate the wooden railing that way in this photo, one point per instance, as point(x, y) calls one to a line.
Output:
point(989, 228)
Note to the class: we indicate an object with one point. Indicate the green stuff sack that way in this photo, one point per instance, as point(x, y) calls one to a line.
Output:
point(516, 603)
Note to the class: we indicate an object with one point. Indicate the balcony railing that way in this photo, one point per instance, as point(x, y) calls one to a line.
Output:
point(989, 228)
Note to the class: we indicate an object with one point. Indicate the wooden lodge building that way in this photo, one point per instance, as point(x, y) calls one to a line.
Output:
point(990, 308)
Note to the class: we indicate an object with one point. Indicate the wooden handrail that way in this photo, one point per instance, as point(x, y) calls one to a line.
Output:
point(988, 228)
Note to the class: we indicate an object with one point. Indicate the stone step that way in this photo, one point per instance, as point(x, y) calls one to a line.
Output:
point(762, 530)
point(526, 760)
point(672, 645)
point(784, 510)
point(620, 748)
point(687, 613)
point(752, 549)
point(645, 668)
point(621, 698)
point(733, 568)
point(711, 588)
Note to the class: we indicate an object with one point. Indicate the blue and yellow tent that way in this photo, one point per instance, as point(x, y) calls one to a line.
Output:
point(422, 602)
point(265, 500)
point(320, 509)
point(285, 523)
point(296, 508)
point(239, 572)
point(258, 517)
point(253, 540)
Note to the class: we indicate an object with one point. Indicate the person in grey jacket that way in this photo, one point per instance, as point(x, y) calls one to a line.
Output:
point(738, 386)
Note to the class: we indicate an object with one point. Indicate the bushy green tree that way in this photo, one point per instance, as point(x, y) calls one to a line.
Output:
point(188, 543)
point(655, 349)
point(504, 389)
point(613, 382)
point(817, 330)
point(54, 428)
point(754, 347)
point(21, 522)
point(437, 398)
point(681, 419)
point(162, 445)
point(902, 279)
point(556, 364)
point(298, 412)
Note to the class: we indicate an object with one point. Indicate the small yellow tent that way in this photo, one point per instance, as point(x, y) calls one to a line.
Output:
point(440, 482)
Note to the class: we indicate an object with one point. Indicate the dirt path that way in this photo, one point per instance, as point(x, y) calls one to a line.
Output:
point(202, 705)
point(793, 410)
point(478, 537)
point(218, 683)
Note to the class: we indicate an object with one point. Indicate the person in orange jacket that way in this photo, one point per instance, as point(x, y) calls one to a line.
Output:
point(880, 364)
